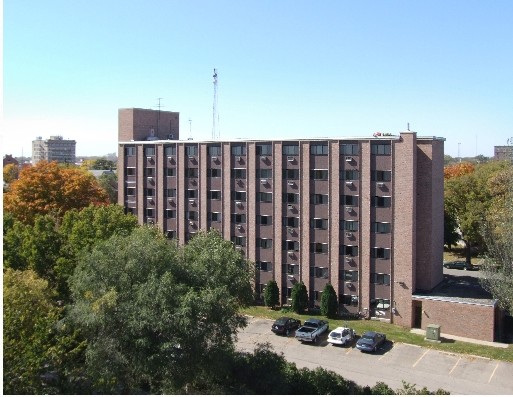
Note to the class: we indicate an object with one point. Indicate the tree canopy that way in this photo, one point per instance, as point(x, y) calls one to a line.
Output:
point(271, 294)
point(48, 188)
point(329, 302)
point(299, 296)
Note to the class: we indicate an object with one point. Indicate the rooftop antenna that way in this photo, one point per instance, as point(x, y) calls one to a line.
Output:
point(190, 127)
point(158, 116)
point(408, 127)
point(215, 115)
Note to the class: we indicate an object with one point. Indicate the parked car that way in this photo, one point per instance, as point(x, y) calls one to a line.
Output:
point(370, 341)
point(284, 325)
point(341, 336)
point(462, 265)
point(311, 330)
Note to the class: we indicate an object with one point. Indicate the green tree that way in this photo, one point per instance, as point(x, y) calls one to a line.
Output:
point(158, 314)
point(329, 302)
point(109, 183)
point(28, 319)
point(299, 296)
point(451, 236)
point(271, 294)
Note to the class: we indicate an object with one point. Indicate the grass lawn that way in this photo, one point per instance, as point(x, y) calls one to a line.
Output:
point(394, 333)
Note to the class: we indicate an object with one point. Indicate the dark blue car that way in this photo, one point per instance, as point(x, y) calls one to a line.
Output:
point(370, 341)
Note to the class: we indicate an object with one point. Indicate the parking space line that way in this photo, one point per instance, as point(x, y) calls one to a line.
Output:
point(493, 373)
point(420, 358)
point(349, 350)
point(454, 365)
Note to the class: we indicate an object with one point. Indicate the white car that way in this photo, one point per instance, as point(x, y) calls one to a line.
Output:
point(341, 336)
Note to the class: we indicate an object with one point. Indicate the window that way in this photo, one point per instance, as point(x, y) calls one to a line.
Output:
point(349, 300)
point(170, 150)
point(214, 195)
point(214, 150)
point(239, 196)
point(319, 199)
point(319, 175)
point(170, 192)
point(380, 278)
point(319, 223)
point(319, 272)
point(170, 171)
point(319, 149)
point(130, 171)
point(191, 150)
point(238, 218)
point(130, 151)
point(349, 200)
point(291, 198)
point(214, 216)
point(264, 150)
point(291, 221)
point(319, 248)
point(264, 219)
point(264, 266)
point(349, 149)
point(380, 253)
point(171, 234)
point(170, 214)
point(290, 174)
point(316, 296)
point(150, 212)
point(264, 243)
point(380, 227)
point(290, 268)
point(349, 175)
point(381, 202)
point(191, 172)
point(238, 150)
point(264, 197)
point(191, 215)
point(381, 148)
point(149, 151)
point(349, 226)
point(349, 250)
point(239, 241)
point(264, 173)
point(214, 172)
point(149, 172)
point(289, 245)
point(380, 304)
point(238, 173)
point(290, 150)
point(130, 191)
point(191, 193)
point(149, 192)
point(350, 275)
point(381, 176)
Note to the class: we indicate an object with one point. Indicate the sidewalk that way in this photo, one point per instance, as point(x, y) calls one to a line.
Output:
point(463, 339)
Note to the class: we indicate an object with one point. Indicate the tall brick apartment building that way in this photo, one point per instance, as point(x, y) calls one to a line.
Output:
point(363, 214)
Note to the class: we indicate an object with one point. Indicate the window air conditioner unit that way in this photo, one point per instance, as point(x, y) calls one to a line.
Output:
point(290, 158)
point(290, 252)
point(289, 301)
point(349, 209)
point(239, 227)
point(191, 157)
point(290, 277)
point(170, 199)
point(291, 183)
point(191, 223)
point(381, 184)
point(214, 158)
point(290, 229)
point(290, 206)
point(349, 259)
point(149, 157)
point(349, 183)
point(349, 234)
point(263, 158)
point(192, 201)
point(349, 284)
point(264, 181)
point(150, 178)
point(239, 159)
point(239, 203)
point(349, 159)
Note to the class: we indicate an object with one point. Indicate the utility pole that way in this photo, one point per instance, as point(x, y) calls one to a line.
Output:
point(215, 115)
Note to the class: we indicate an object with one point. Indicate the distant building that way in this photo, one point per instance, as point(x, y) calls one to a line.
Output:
point(503, 152)
point(8, 159)
point(54, 149)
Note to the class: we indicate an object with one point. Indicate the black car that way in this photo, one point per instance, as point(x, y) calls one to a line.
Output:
point(462, 265)
point(370, 341)
point(284, 325)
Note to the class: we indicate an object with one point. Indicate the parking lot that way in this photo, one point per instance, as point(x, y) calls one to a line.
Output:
point(393, 363)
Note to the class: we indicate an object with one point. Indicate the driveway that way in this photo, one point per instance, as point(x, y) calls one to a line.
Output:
point(394, 362)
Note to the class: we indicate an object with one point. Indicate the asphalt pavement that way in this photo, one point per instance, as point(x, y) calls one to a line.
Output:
point(393, 363)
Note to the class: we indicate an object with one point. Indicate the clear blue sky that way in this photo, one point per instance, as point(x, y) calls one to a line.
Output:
point(287, 69)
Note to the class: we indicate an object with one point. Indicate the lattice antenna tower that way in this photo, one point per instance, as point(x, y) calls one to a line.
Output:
point(215, 114)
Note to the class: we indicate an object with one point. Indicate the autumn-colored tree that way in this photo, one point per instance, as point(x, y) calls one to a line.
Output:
point(458, 169)
point(10, 173)
point(48, 188)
